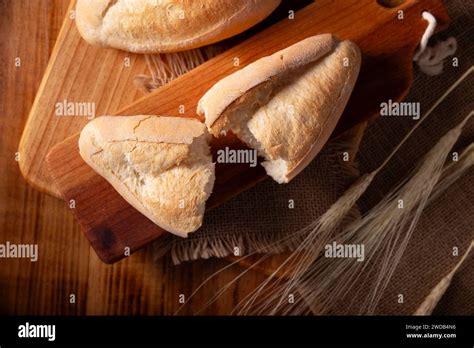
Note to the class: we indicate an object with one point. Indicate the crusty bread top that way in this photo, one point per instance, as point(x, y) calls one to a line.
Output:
point(166, 129)
point(160, 165)
point(286, 110)
point(151, 26)
point(227, 90)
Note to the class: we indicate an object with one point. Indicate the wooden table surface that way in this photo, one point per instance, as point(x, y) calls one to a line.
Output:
point(66, 264)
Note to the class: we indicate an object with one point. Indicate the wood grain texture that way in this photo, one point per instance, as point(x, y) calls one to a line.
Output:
point(28, 31)
point(112, 225)
point(78, 72)
point(66, 265)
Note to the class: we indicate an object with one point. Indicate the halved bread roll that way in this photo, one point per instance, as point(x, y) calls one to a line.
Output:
point(286, 105)
point(151, 26)
point(161, 165)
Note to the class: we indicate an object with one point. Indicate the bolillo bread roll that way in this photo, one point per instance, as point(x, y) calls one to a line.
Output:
point(159, 26)
point(161, 165)
point(286, 105)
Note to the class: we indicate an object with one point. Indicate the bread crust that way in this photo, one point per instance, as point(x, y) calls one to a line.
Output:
point(229, 89)
point(352, 52)
point(148, 26)
point(312, 76)
point(176, 138)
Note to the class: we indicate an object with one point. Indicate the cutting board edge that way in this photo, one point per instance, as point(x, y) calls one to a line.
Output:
point(35, 181)
point(49, 187)
point(406, 87)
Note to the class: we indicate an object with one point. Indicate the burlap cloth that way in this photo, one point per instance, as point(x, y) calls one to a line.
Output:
point(449, 221)
point(252, 220)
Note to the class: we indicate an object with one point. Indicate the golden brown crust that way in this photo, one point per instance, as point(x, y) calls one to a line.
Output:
point(286, 110)
point(343, 81)
point(229, 89)
point(148, 26)
point(167, 177)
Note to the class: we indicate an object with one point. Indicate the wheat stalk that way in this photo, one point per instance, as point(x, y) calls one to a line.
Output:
point(430, 302)
point(322, 283)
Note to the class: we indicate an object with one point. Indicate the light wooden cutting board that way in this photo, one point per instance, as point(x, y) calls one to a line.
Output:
point(78, 72)
point(387, 44)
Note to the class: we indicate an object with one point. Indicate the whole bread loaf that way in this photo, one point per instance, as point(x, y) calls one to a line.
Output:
point(157, 26)
point(286, 105)
point(161, 165)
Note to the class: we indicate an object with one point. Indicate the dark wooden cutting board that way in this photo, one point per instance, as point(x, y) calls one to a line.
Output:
point(387, 44)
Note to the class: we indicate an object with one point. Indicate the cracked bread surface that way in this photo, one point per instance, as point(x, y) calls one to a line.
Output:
point(161, 165)
point(286, 105)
